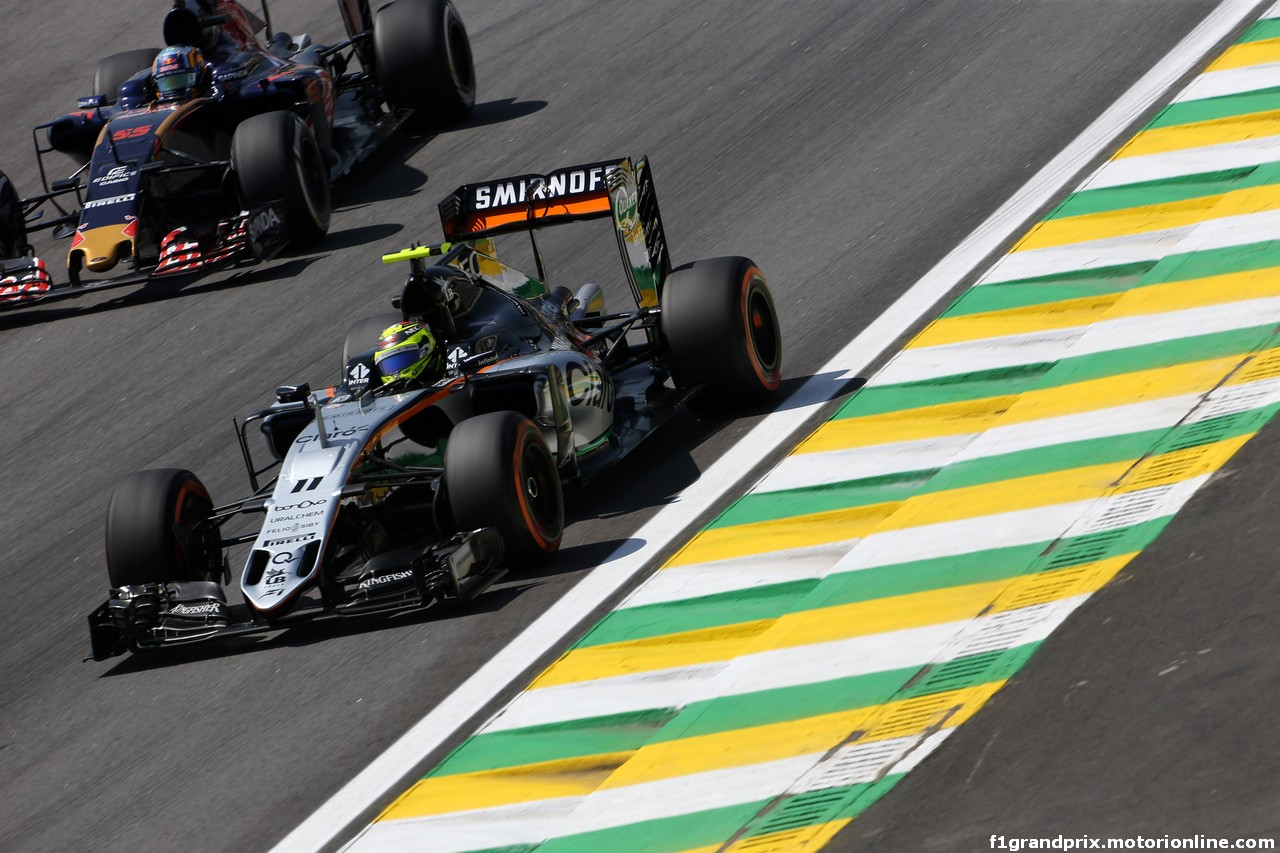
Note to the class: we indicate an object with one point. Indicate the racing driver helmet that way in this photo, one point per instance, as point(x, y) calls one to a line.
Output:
point(407, 351)
point(178, 72)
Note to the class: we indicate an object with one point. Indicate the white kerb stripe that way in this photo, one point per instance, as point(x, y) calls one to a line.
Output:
point(1223, 157)
point(1232, 81)
point(1149, 246)
point(1047, 347)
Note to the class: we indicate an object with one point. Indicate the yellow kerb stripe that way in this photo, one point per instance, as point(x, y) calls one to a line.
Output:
point(1246, 54)
point(1067, 313)
point(1154, 217)
point(571, 777)
point(1198, 134)
point(822, 625)
point(972, 416)
point(1057, 487)
point(581, 776)
point(777, 741)
point(810, 838)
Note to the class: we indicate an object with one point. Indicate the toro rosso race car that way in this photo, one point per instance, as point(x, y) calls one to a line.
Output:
point(395, 490)
point(237, 161)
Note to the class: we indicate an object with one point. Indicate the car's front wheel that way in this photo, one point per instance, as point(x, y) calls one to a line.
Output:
point(158, 530)
point(500, 474)
point(276, 160)
point(13, 227)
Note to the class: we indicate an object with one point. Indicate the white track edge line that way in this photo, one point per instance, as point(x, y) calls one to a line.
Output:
point(350, 803)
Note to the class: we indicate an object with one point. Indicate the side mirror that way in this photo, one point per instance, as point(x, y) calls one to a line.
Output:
point(92, 102)
point(293, 393)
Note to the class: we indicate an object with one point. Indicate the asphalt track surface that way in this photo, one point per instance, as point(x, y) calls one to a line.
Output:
point(845, 147)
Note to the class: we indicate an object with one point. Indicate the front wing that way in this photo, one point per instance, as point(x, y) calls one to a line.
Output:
point(249, 237)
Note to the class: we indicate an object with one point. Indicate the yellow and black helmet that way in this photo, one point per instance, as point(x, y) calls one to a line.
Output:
point(407, 351)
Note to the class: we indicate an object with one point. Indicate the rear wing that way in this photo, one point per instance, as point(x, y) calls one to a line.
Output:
point(613, 188)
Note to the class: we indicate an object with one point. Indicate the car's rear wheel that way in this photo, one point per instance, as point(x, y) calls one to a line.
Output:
point(500, 474)
point(13, 228)
point(157, 530)
point(423, 58)
point(276, 160)
point(113, 70)
point(719, 329)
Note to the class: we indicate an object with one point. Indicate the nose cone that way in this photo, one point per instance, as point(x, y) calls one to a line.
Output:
point(100, 249)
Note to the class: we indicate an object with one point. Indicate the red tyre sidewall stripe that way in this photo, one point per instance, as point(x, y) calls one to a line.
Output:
point(534, 527)
point(188, 487)
point(771, 379)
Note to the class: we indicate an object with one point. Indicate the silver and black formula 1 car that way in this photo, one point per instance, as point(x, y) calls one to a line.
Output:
point(231, 174)
point(392, 495)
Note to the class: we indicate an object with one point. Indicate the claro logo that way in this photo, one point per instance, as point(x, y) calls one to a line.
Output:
point(302, 505)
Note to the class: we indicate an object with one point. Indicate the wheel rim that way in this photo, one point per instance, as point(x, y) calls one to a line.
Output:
point(762, 333)
point(310, 176)
point(191, 509)
point(537, 492)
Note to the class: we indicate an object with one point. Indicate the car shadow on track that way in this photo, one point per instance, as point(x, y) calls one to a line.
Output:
point(389, 176)
point(498, 111)
point(350, 238)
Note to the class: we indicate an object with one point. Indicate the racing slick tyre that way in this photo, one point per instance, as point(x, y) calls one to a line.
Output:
point(499, 473)
point(275, 159)
point(156, 531)
point(13, 228)
point(119, 67)
point(363, 334)
point(719, 329)
point(423, 59)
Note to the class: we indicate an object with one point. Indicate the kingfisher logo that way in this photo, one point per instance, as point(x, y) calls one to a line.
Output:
point(577, 180)
point(379, 580)
point(211, 609)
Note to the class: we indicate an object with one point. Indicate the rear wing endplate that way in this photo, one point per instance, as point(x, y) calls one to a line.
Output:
point(613, 188)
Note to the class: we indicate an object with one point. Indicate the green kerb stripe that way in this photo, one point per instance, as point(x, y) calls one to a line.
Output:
point(882, 399)
point(1115, 199)
point(771, 506)
point(572, 739)
point(1046, 290)
point(1211, 109)
point(1266, 28)
point(774, 601)
point(626, 733)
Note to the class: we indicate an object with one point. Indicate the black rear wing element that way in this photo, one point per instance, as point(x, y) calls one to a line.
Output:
point(613, 188)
